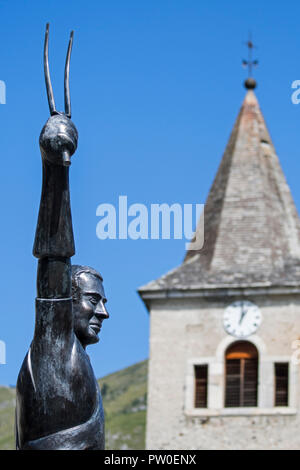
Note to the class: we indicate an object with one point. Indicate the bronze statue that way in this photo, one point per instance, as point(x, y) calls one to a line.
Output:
point(59, 403)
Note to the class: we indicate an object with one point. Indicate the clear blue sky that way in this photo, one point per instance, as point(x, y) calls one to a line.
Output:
point(155, 86)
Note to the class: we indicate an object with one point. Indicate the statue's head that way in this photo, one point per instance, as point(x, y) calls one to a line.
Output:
point(88, 304)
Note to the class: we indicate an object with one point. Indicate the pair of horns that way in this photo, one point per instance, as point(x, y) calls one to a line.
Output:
point(49, 89)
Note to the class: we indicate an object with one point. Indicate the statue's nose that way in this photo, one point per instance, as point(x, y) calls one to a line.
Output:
point(101, 311)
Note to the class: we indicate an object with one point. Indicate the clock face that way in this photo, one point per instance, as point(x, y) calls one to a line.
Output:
point(242, 318)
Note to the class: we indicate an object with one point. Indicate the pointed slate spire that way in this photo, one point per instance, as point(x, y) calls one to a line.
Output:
point(251, 225)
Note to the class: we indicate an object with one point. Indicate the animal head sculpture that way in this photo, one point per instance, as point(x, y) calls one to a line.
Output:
point(59, 136)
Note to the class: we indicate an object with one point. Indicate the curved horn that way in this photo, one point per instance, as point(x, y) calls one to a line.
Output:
point(47, 74)
point(67, 80)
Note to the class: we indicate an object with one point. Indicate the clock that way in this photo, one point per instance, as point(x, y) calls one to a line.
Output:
point(241, 318)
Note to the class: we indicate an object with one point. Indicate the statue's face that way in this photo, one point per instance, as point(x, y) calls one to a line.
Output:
point(89, 309)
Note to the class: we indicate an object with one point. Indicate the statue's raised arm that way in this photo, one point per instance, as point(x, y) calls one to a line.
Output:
point(54, 240)
point(58, 400)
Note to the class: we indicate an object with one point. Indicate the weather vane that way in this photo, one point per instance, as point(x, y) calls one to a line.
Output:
point(250, 83)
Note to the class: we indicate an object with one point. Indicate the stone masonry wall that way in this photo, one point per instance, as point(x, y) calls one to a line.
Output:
point(182, 330)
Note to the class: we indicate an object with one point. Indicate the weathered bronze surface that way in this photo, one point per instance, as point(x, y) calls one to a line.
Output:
point(59, 403)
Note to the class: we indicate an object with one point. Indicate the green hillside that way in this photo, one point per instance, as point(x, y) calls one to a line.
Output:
point(124, 398)
point(7, 413)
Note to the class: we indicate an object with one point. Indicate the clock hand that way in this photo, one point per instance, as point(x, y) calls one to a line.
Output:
point(242, 314)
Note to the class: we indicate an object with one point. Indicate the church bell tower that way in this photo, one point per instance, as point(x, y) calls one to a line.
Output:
point(225, 324)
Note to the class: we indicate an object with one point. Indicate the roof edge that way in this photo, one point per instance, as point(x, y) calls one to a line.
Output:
point(228, 291)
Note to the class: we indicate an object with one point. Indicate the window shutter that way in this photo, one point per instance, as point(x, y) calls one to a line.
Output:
point(250, 382)
point(241, 375)
point(233, 382)
point(201, 386)
point(281, 384)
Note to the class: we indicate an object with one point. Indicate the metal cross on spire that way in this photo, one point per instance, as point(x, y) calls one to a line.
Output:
point(250, 83)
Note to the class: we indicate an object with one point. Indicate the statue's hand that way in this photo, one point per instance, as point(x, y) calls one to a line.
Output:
point(58, 140)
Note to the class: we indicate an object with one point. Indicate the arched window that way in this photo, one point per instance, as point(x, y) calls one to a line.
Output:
point(241, 379)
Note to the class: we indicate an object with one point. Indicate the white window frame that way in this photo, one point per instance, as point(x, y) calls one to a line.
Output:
point(216, 384)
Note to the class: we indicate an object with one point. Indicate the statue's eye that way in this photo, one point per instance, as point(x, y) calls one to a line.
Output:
point(93, 300)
